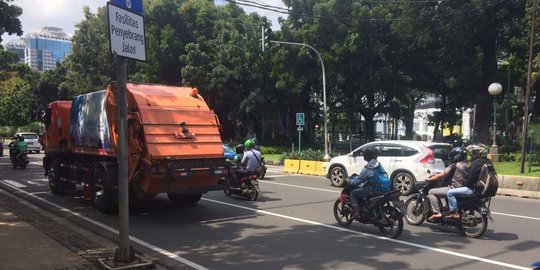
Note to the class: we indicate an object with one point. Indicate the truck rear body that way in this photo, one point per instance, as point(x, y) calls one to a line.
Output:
point(173, 139)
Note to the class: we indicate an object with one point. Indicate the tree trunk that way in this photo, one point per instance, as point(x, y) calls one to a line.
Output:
point(409, 120)
point(489, 71)
point(370, 126)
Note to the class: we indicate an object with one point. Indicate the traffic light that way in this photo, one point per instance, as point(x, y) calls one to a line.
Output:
point(265, 39)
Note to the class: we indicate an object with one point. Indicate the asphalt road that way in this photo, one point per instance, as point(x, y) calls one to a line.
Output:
point(290, 226)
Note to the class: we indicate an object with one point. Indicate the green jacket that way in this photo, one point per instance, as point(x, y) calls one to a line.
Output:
point(22, 146)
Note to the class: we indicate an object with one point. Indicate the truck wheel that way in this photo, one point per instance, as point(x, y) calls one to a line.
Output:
point(54, 177)
point(104, 190)
point(183, 198)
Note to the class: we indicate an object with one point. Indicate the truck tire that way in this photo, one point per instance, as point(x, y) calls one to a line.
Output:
point(103, 186)
point(54, 177)
point(183, 198)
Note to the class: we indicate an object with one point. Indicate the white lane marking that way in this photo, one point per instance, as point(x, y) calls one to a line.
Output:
point(108, 228)
point(277, 175)
point(440, 250)
point(516, 216)
point(338, 191)
point(14, 184)
point(303, 187)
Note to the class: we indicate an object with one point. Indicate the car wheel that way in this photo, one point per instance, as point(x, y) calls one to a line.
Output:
point(338, 176)
point(404, 182)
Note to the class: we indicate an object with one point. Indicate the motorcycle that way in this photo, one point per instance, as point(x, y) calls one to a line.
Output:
point(376, 210)
point(248, 186)
point(19, 159)
point(474, 213)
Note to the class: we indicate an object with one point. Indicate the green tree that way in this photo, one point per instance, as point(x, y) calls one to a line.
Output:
point(9, 19)
point(16, 103)
point(225, 63)
point(90, 66)
point(7, 59)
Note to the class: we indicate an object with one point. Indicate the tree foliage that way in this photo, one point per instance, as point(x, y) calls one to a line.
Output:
point(380, 57)
point(9, 19)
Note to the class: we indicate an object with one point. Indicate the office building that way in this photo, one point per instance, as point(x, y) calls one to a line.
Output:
point(46, 47)
point(18, 46)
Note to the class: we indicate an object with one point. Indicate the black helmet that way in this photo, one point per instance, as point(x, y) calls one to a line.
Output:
point(240, 149)
point(457, 154)
point(20, 138)
point(369, 153)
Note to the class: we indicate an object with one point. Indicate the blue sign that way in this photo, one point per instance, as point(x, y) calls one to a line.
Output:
point(299, 119)
point(134, 6)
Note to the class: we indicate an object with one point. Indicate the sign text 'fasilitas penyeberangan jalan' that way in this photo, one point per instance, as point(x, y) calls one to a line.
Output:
point(127, 33)
point(127, 29)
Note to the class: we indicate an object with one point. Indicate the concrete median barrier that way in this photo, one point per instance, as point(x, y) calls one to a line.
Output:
point(291, 166)
point(521, 186)
point(307, 167)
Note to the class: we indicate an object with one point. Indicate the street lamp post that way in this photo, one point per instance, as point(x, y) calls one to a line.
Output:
point(495, 89)
point(325, 113)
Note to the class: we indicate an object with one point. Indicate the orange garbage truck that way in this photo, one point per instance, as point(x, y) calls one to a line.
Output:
point(174, 145)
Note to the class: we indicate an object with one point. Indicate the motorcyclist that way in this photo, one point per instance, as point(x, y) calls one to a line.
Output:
point(479, 158)
point(247, 162)
point(251, 160)
point(455, 173)
point(17, 146)
point(367, 182)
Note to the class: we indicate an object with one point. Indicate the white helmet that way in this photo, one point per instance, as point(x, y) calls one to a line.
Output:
point(478, 150)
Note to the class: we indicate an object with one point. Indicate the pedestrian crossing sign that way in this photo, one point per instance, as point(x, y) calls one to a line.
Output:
point(299, 119)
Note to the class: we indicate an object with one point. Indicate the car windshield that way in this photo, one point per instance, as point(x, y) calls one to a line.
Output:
point(30, 136)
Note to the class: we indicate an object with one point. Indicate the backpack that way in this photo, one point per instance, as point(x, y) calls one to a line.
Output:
point(487, 184)
point(381, 178)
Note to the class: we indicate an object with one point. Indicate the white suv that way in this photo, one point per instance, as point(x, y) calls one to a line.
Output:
point(32, 139)
point(406, 162)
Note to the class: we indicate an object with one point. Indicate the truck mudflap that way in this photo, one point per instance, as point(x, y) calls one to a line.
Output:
point(183, 171)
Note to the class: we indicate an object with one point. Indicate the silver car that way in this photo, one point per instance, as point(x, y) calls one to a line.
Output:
point(406, 162)
point(32, 139)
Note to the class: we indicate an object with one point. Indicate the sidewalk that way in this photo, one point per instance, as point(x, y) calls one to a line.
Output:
point(32, 238)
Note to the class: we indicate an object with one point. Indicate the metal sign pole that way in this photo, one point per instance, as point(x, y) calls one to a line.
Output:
point(122, 46)
point(299, 133)
point(125, 252)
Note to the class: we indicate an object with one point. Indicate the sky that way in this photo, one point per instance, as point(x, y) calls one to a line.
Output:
point(66, 13)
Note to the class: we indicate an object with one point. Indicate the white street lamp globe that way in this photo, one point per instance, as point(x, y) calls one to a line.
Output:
point(495, 89)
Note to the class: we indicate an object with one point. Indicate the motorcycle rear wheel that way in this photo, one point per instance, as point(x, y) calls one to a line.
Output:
point(343, 213)
point(414, 214)
point(252, 193)
point(392, 222)
point(473, 223)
